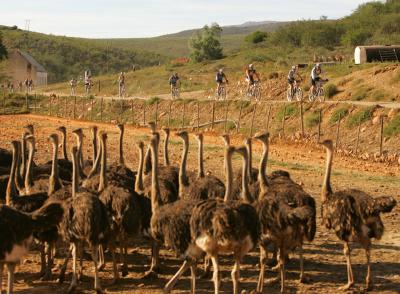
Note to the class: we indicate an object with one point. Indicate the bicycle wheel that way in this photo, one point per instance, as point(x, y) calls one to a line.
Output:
point(311, 96)
point(321, 95)
point(289, 95)
point(299, 94)
point(223, 94)
point(257, 93)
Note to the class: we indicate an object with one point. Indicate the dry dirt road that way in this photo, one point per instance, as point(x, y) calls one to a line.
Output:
point(324, 260)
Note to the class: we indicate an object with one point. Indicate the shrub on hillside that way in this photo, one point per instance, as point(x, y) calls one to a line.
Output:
point(360, 116)
point(256, 37)
point(312, 119)
point(393, 127)
point(330, 90)
point(205, 45)
point(341, 112)
point(291, 111)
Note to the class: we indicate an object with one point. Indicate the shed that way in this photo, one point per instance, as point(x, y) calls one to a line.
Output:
point(22, 66)
point(377, 53)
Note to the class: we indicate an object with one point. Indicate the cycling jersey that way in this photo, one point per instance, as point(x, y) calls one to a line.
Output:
point(292, 74)
point(173, 80)
point(315, 72)
point(220, 77)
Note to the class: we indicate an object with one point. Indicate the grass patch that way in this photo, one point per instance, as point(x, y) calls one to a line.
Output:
point(360, 116)
point(153, 100)
point(360, 94)
point(291, 110)
point(340, 112)
point(393, 128)
point(396, 78)
point(242, 103)
point(312, 119)
point(378, 95)
point(330, 90)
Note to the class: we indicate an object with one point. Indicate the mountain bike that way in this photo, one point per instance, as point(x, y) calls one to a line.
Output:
point(122, 90)
point(220, 93)
point(255, 91)
point(175, 92)
point(318, 92)
point(297, 92)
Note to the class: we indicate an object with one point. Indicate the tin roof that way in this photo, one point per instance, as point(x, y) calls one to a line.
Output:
point(32, 61)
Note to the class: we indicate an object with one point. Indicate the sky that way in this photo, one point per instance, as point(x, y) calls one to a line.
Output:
point(147, 18)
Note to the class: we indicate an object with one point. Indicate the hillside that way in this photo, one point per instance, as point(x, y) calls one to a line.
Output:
point(64, 57)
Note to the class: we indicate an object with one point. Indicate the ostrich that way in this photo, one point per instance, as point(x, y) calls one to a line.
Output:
point(354, 216)
point(79, 142)
point(86, 222)
point(226, 226)
point(169, 222)
point(123, 206)
point(287, 216)
point(121, 168)
point(16, 234)
point(190, 186)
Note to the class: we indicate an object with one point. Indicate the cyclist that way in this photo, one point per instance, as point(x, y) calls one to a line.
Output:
point(121, 84)
point(174, 80)
point(220, 78)
point(250, 75)
point(72, 84)
point(293, 73)
point(315, 76)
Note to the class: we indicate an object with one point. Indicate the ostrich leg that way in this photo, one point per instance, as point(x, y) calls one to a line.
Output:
point(350, 279)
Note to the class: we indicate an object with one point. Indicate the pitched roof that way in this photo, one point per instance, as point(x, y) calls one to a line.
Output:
point(32, 61)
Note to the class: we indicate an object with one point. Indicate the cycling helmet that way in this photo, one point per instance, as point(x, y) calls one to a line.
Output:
point(221, 70)
point(318, 65)
point(293, 67)
point(251, 66)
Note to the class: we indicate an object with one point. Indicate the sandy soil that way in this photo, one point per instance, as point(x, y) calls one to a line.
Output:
point(324, 260)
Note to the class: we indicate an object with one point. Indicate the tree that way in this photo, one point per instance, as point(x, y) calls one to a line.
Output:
point(256, 37)
point(205, 44)
point(3, 49)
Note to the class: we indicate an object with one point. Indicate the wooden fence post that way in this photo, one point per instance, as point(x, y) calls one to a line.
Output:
point(132, 113)
point(156, 115)
point(239, 118)
point(302, 118)
point(198, 116)
point(92, 109)
point(65, 106)
point(283, 122)
point(144, 113)
point(74, 110)
point(83, 108)
point(319, 125)
point(358, 136)
point(252, 119)
point(34, 103)
point(213, 115)
point(58, 106)
point(381, 137)
point(169, 114)
point(4, 100)
point(26, 102)
point(183, 115)
point(226, 115)
point(338, 131)
point(99, 87)
point(50, 101)
point(101, 108)
point(268, 117)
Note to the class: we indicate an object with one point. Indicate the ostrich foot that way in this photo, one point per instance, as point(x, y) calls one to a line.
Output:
point(346, 287)
point(47, 276)
point(304, 279)
point(369, 285)
point(124, 270)
point(150, 274)
point(99, 291)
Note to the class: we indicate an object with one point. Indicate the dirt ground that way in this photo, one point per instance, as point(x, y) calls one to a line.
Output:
point(324, 260)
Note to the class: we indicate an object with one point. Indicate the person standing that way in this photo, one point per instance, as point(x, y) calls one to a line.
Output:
point(121, 85)
point(88, 82)
point(72, 84)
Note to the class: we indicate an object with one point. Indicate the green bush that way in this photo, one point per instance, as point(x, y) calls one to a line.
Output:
point(378, 95)
point(291, 110)
point(393, 127)
point(360, 116)
point(153, 100)
point(340, 112)
point(312, 119)
point(256, 37)
point(360, 94)
point(330, 90)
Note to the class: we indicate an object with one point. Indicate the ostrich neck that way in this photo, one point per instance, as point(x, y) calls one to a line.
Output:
point(121, 148)
point(19, 181)
point(147, 161)
point(80, 157)
point(64, 146)
point(182, 170)
point(262, 174)
point(139, 175)
point(250, 159)
point(96, 164)
point(155, 186)
point(103, 167)
point(166, 157)
point(246, 197)
point(54, 180)
point(228, 175)
point(326, 186)
point(75, 175)
point(200, 158)
point(94, 142)
point(29, 171)
point(11, 190)
point(23, 156)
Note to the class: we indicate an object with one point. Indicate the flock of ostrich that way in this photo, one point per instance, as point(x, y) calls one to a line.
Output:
point(96, 206)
